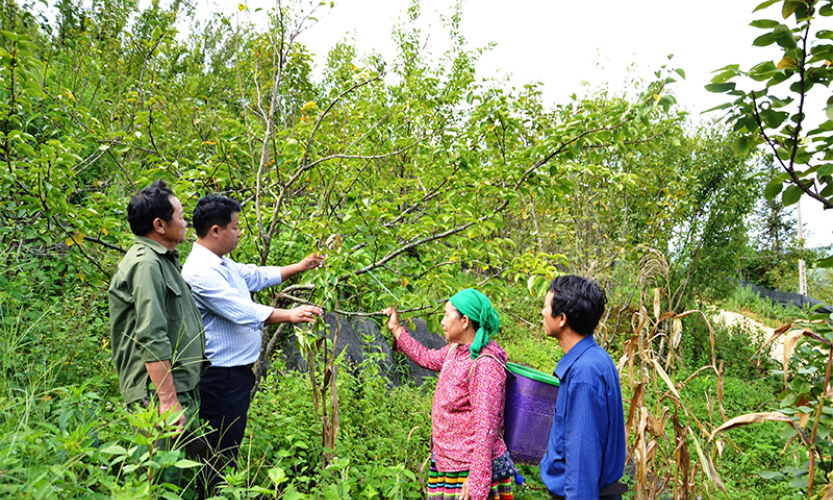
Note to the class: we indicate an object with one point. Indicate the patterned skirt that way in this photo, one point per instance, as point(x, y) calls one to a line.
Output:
point(449, 485)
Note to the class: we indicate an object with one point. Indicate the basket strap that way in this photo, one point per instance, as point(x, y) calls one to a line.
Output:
point(471, 370)
point(450, 352)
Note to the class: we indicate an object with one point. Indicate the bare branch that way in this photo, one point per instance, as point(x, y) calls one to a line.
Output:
point(561, 148)
point(291, 298)
point(105, 244)
point(428, 197)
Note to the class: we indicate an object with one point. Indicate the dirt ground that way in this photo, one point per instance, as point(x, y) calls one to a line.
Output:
point(729, 318)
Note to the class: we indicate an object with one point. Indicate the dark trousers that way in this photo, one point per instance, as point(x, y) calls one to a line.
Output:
point(224, 395)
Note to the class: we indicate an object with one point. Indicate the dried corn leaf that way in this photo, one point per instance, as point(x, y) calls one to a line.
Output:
point(756, 418)
point(720, 392)
point(666, 379)
point(653, 426)
point(708, 467)
point(636, 402)
point(657, 303)
point(790, 341)
point(676, 332)
point(772, 338)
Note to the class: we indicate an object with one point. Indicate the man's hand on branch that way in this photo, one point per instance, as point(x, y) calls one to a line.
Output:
point(311, 261)
point(301, 314)
point(304, 314)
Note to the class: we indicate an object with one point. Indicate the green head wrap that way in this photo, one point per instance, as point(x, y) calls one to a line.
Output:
point(477, 307)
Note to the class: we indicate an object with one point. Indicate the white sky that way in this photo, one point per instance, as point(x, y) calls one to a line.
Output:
point(562, 44)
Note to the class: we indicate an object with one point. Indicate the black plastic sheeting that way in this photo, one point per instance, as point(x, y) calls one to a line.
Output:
point(788, 298)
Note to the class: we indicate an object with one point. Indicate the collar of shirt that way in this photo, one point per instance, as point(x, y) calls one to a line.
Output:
point(207, 257)
point(157, 247)
point(567, 361)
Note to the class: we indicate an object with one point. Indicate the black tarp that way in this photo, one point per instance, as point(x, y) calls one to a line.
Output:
point(788, 298)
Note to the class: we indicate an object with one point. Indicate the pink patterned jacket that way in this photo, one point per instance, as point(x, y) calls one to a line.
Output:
point(467, 414)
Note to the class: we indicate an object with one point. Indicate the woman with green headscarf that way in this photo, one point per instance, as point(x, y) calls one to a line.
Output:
point(469, 460)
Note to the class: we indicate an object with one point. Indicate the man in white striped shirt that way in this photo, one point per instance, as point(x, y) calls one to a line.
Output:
point(233, 321)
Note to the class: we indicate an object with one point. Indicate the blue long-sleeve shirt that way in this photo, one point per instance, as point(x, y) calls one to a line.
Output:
point(586, 450)
point(221, 289)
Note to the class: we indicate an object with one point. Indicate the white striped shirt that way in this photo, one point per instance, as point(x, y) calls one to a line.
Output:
point(222, 290)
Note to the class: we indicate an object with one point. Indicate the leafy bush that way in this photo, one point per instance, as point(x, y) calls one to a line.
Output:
point(735, 346)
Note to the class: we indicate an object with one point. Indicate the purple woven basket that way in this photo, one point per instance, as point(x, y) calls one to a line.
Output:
point(528, 413)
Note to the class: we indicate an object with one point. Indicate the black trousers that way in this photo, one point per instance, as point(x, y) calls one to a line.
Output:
point(224, 404)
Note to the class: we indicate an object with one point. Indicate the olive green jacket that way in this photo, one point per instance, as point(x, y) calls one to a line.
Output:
point(153, 317)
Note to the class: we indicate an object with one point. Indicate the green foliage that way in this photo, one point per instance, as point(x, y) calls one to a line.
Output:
point(735, 346)
point(400, 170)
point(773, 113)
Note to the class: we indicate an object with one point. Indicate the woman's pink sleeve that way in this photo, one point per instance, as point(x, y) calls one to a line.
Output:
point(432, 359)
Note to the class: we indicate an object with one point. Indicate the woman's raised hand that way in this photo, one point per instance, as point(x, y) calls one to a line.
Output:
point(393, 320)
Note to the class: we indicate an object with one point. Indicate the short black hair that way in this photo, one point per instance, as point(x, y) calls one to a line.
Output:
point(581, 300)
point(213, 209)
point(150, 203)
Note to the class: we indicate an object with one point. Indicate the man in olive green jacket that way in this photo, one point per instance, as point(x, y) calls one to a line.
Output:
point(156, 330)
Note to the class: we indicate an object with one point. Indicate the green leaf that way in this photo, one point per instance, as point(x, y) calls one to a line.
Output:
point(725, 76)
point(114, 450)
point(186, 464)
point(784, 36)
point(829, 112)
point(742, 144)
point(720, 87)
point(768, 474)
point(789, 8)
point(826, 262)
point(791, 196)
point(826, 34)
point(721, 106)
point(764, 40)
point(826, 10)
point(680, 72)
point(773, 188)
point(764, 23)
point(764, 5)
point(800, 482)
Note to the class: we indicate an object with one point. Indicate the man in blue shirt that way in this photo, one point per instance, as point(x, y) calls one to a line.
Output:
point(233, 321)
point(586, 452)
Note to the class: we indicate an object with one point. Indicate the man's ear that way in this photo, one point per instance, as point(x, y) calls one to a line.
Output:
point(159, 226)
point(215, 230)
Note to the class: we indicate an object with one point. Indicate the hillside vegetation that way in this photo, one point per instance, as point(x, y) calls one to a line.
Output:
point(416, 177)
